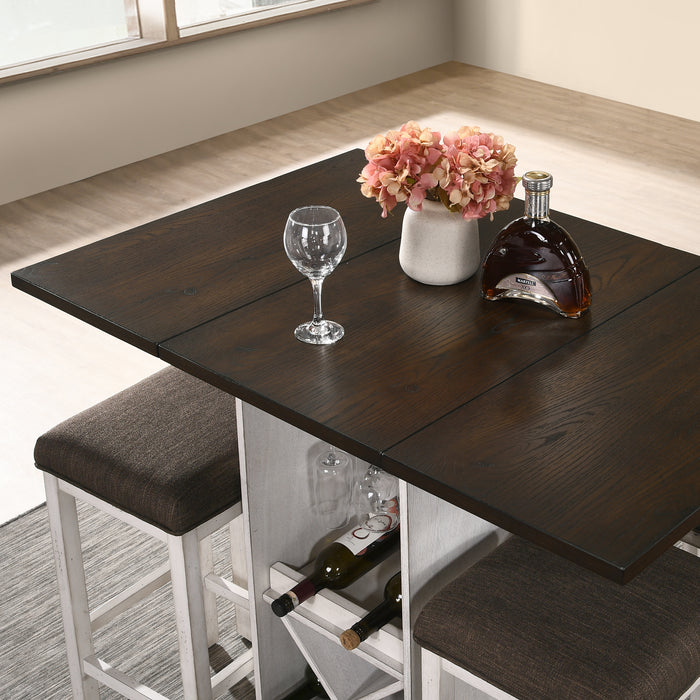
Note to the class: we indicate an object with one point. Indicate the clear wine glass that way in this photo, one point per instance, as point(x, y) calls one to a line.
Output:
point(333, 486)
point(315, 242)
point(378, 505)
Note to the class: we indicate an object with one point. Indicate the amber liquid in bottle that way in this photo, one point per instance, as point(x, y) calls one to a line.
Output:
point(535, 259)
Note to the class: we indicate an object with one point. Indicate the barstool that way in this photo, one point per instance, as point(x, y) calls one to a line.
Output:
point(524, 623)
point(162, 457)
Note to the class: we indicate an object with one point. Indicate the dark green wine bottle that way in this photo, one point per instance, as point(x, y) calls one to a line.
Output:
point(310, 688)
point(342, 562)
point(376, 618)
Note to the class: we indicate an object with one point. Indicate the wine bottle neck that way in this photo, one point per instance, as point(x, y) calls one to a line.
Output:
point(377, 618)
point(537, 205)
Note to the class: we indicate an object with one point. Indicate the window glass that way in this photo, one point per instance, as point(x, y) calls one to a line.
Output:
point(191, 12)
point(34, 29)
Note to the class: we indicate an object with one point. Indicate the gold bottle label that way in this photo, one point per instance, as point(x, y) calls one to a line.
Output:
point(529, 284)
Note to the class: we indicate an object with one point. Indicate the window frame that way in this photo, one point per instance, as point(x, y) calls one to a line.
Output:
point(152, 25)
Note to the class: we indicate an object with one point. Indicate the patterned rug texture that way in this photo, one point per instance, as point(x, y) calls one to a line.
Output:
point(141, 641)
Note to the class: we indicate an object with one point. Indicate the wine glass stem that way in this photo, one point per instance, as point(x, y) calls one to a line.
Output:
point(316, 285)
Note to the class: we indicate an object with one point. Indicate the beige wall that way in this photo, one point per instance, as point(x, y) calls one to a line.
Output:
point(65, 127)
point(641, 52)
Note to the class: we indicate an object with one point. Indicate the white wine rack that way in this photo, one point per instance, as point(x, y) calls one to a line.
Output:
point(372, 671)
point(280, 529)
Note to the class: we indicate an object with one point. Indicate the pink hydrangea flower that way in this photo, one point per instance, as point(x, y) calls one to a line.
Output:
point(402, 166)
point(469, 171)
point(481, 172)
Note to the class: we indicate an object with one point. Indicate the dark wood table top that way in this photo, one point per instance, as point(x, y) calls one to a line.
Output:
point(160, 279)
point(594, 446)
point(578, 434)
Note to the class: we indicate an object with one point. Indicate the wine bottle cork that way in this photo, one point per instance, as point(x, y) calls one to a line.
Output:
point(350, 639)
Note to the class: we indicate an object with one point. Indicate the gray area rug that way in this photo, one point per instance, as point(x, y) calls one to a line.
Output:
point(141, 642)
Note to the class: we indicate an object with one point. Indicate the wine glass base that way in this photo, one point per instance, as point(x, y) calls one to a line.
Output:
point(324, 333)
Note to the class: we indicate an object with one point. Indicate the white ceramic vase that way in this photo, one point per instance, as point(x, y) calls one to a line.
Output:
point(438, 246)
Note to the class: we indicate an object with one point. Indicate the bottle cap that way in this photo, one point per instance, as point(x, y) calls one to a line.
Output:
point(537, 181)
point(282, 605)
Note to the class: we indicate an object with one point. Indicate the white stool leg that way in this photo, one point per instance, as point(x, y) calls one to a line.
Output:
point(430, 675)
point(186, 575)
point(206, 560)
point(65, 535)
point(240, 574)
point(438, 676)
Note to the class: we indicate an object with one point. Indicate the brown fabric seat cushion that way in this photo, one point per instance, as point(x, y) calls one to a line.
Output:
point(164, 450)
point(540, 628)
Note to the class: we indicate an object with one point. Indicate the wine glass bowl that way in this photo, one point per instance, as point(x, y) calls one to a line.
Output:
point(333, 487)
point(378, 498)
point(315, 241)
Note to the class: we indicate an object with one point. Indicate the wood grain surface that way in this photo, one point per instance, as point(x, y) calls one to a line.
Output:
point(162, 278)
point(592, 451)
point(412, 352)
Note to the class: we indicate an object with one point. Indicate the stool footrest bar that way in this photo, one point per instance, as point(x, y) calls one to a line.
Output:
point(106, 612)
point(232, 673)
point(117, 680)
point(227, 589)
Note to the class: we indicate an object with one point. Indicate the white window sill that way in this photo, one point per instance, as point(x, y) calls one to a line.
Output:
point(128, 47)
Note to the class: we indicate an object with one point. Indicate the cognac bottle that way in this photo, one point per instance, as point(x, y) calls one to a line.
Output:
point(388, 609)
point(535, 259)
point(342, 562)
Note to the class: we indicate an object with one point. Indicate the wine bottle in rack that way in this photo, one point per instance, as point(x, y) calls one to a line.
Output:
point(376, 618)
point(310, 688)
point(342, 562)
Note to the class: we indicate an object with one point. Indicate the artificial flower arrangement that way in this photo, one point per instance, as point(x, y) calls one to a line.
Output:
point(468, 171)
